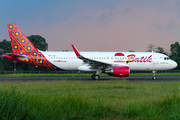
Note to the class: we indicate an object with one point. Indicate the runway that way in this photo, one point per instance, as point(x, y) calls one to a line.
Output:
point(102, 78)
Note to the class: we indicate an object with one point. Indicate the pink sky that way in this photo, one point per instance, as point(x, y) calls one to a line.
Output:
point(130, 25)
point(118, 31)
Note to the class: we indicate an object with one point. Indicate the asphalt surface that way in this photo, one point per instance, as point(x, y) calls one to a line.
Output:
point(131, 78)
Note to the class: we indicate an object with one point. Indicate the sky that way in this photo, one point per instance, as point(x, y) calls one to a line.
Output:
point(95, 25)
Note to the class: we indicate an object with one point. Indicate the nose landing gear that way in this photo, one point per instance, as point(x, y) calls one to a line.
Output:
point(154, 76)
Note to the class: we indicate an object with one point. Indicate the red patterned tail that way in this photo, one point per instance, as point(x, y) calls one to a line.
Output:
point(22, 46)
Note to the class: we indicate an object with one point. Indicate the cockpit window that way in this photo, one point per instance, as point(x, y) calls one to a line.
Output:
point(166, 58)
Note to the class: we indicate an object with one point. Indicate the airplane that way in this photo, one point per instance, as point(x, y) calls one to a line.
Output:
point(116, 64)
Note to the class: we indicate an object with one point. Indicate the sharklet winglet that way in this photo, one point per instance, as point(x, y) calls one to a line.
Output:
point(76, 51)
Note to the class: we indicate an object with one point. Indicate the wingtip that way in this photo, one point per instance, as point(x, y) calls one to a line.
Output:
point(76, 51)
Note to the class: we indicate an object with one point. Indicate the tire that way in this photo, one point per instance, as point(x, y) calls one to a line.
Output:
point(93, 77)
point(154, 77)
point(96, 77)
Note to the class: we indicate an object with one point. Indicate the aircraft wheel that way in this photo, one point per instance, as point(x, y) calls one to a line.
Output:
point(96, 77)
point(154, 77)
point(93, 76)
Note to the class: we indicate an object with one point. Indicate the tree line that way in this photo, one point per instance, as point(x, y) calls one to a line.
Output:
point(40, 43)
point(174, 52)
point(9, 65)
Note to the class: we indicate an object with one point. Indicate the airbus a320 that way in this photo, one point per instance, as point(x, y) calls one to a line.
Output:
point(112, 63)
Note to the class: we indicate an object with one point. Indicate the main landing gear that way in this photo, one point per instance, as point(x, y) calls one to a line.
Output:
point(95, 77)
point(154, 76)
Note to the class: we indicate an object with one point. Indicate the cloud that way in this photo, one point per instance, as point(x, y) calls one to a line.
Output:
point(126, 10)
point(121, 28)
point(117, 25)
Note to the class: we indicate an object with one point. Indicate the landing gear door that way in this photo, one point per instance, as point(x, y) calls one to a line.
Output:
point(155, 59)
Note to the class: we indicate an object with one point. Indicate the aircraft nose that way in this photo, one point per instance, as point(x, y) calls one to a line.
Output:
point(173, 64)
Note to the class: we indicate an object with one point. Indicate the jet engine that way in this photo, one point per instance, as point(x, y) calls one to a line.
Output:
point(118, 71)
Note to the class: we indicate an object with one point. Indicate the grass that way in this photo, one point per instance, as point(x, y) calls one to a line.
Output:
point(113, 99)
point(82, 74)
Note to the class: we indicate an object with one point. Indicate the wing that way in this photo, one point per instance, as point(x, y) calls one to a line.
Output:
point(93, 63)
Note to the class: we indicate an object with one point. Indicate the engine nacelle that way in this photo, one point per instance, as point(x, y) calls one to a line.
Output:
point(122, 71)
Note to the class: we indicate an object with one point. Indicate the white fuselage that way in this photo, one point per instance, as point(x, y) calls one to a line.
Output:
point(145, 61)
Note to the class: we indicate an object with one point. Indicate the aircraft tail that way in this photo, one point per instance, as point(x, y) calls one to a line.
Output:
point(19, 42)
point(23, 50)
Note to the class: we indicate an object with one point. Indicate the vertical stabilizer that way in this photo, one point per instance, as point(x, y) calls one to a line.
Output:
point(19, 42)
point(23, 47)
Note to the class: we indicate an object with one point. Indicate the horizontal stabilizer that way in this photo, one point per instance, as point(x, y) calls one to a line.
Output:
point(21, 57)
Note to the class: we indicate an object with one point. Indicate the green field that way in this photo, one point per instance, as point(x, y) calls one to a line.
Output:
point(83, 74)
point(112, 99)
